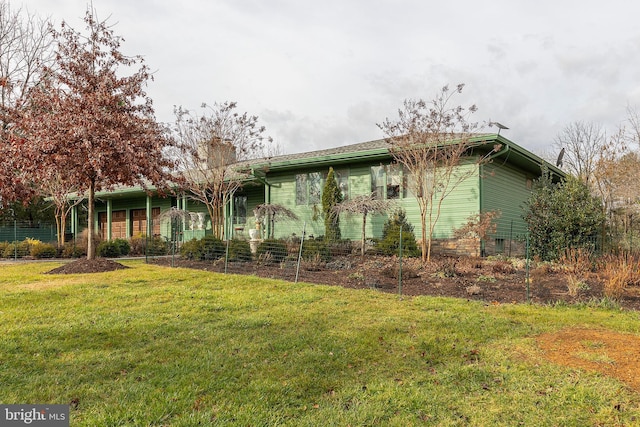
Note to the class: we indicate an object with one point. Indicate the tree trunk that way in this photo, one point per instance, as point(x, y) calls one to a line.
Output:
point(364, 236)
point(62, 225)
point(426, 255)
point(91, 251)
point(58, 226)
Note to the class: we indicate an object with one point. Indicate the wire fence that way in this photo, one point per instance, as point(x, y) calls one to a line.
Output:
point(296, 253)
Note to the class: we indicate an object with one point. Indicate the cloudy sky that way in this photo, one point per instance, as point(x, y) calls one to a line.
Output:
point(321, 74)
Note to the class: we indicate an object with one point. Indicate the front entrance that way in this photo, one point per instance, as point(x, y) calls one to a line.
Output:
point(139, 221)
point(118, 224)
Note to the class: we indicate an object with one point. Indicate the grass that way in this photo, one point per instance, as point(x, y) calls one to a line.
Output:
point(174, 347)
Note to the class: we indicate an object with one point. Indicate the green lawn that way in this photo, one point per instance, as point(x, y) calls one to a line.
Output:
point(172, 347)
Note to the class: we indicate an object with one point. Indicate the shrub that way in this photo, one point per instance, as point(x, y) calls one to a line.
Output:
point(191, 249)
point(620, 272)
point(390, 242)
point(108, 249)
point(141, 245)
point(552, 227)
point(504, 267)
point(157, 246)
point(84, 239)
point(208, 248)
point(43, 250)
point(272, 249)
point(239, 250)
point(316, 249)
point(123, 246)
point(137, 244)
point(211, 249)
point(341, 247)
point(72, 250)
point(19, 249)
point(3, 247)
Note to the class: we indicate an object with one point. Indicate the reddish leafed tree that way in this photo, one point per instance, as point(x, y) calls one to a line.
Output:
point(88, 126)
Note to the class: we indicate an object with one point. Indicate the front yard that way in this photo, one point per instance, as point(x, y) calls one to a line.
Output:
point(152, 345)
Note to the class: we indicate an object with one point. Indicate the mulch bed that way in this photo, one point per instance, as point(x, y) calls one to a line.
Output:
point(83, 265)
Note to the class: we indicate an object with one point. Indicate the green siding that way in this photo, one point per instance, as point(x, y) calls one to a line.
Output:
point(283, 190)
point(505, 188)
point(461, 203)
point(456, 208)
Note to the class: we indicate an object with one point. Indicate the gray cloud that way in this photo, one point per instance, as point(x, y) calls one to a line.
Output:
point(324, 73)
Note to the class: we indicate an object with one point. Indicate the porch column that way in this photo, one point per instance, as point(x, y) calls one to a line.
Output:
point(109, 212)
point(232, 208)
point(74, 221)
point(149, 219)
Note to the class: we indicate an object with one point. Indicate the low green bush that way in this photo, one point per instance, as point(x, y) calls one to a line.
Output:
point(108, 249)
point(190, 249)
point(390, 242)
point(208, 248)
point(272, 250)
point(212, 248)
point(316, 248)
point(123, 246)
point(3, 247)
point(157, 246)
point(239, 250)
point(19, 249)
point(43, 250)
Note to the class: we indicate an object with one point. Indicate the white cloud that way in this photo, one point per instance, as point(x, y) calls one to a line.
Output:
point(323, 74)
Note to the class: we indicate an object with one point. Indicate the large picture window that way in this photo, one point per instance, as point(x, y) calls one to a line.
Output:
point(309, 188)
point(388, 182)
point(315, 188)
point(301, 189)
point(342, 177)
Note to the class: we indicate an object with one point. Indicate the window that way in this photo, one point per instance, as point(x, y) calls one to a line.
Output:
point(342, 177)
point(239, 209)
point(388, 181)
point(394, 181)
point(309, 188)
point(315, 188)
point(377, 182)
point(301, 189)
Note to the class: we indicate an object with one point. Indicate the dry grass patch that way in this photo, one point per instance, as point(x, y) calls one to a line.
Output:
point(611, 353)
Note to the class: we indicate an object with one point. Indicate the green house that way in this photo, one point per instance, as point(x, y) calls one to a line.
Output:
point(295, 181)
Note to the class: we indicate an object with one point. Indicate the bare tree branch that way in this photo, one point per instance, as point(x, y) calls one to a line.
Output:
point(210, 145)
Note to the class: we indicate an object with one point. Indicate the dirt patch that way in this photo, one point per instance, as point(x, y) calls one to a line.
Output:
point(469, 278)
point(609, 353)
point(83, 265)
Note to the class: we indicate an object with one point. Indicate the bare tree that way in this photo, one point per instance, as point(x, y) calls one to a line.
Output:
point(432, 140)
point(25, 48)
point(87, 125)
point(582, 143)
point(363, 205)
point(210, 146)
point(64, 195)
point(274, 213)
